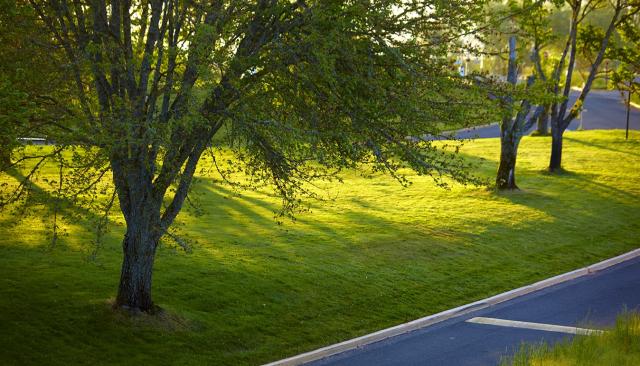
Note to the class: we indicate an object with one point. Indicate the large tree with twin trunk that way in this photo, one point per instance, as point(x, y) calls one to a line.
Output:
point(297, 89)
point(517, 120)
point(561, 114)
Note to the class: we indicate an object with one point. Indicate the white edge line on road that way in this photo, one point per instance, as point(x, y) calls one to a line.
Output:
point(358, 342)
point(534, 326)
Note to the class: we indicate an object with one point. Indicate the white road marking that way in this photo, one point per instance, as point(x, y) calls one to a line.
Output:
point(535, 326)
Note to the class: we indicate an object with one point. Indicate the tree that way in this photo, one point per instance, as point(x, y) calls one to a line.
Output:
point(628, 54)
point(512, 128)
point(31, 87)
point(534, 24)
point(297, 89)
point(515, 101)
point(561, 115)
point(626, 76)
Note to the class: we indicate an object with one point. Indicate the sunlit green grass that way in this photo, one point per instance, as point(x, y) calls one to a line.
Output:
point(374, 256)
point(619, 346)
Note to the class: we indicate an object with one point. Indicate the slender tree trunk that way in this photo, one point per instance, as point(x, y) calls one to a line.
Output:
point(555, 163)
point(7, 141)
point(561, 120)
point(506, 177)
point(509, 140)
point(5, 158)
point(139, 249)
point(543, 123)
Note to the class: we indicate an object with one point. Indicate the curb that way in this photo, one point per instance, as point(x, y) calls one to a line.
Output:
point(471, 129)
point(448, 314)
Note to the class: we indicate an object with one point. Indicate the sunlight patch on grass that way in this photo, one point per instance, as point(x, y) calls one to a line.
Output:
point(372, 255)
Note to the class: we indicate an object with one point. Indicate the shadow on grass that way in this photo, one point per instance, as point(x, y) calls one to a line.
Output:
point(260, 291)
point(43, 204)
point(606, 147)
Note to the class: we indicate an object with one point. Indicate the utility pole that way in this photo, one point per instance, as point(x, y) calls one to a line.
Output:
point(628, 110)
point(581, 127)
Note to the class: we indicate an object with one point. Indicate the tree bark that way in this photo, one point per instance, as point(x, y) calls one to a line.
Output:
point(506, 177)
point(555, 163)
point(5, 158)
point(509, 140)
point(543, 123)
point(141, 210)
point(139, 249)
point(561, 120)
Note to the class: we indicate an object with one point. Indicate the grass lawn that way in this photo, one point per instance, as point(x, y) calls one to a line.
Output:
point(619, 346)
point(376, 255)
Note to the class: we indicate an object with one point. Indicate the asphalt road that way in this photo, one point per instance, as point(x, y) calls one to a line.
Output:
point(590, 302)
point(604, 110)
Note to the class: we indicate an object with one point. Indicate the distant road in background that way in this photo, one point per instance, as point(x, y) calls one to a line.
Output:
point(604, 110)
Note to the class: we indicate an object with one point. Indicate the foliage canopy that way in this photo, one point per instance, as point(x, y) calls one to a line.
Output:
point(297, 89)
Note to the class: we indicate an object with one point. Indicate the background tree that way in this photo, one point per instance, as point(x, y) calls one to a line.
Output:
point(515, 123)
point(32, 88)
point(627, 76)
point(562, 115)
point(534, 25)
point(298, 90)
point(627, 53)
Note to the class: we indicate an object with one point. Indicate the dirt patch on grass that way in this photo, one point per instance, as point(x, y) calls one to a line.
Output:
point(158, 319)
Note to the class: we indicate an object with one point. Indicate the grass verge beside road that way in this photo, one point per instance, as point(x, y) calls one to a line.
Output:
point(376, 255)
point(619, 346)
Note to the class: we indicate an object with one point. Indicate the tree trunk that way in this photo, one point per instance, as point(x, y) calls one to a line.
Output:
point(5, 158)
point(561, 120)
point(555, 163)
point(506, 177)
point(139, 248)
point(543, 123)
point(7, 142)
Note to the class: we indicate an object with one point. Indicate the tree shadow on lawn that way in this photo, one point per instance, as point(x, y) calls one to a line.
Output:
point(243, 233)
point(533, 183)
point(240, 227)
point(246, 225)
point(274, 300)
point(630, 143)
point(295, 243)
point(317, 234)
point(259, 291)
point(72, 219)
point(576, 204)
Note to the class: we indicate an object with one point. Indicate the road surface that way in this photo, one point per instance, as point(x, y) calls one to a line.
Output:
point(604, 110)
point(589, 302)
